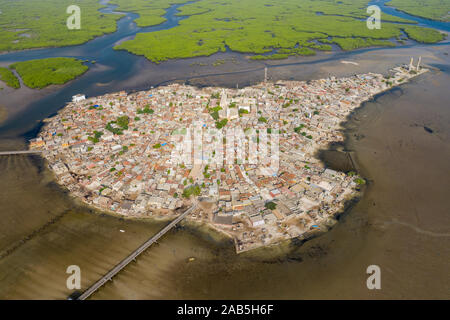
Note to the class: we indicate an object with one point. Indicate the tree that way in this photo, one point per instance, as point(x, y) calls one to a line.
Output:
point(123, 122)
point(262, 119)
point(297, 129)
point(192, 190)
point(271, 205)
point(220, 124)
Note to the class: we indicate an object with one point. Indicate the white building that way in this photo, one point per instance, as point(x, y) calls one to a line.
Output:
point(78, 97)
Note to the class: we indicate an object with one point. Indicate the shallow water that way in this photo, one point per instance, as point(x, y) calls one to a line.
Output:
point(401, 223)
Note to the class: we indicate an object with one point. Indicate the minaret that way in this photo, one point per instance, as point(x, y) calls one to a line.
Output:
point(223, 100)
point(411, 67)
point(418, 63)
point(265, 74)
point(224, 103)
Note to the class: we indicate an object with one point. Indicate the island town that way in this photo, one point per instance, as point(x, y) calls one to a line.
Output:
point(121, 153)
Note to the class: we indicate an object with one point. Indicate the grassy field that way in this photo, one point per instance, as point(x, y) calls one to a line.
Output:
point(430, 9)
point(9, 78)
point(44, 72)
point(259, 27)
point(28, 24)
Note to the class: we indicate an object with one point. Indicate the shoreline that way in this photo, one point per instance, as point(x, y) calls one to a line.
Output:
point(198, 78)
point(326, 224)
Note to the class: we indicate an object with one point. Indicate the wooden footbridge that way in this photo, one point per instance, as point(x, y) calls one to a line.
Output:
point(132, 257)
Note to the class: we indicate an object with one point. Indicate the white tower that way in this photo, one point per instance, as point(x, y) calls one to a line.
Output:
point(223, 100)
point(411, 67)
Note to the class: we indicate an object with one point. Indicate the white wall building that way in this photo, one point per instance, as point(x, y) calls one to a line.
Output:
point(78, 97)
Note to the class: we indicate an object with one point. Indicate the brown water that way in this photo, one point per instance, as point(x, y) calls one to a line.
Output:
point(401, 224)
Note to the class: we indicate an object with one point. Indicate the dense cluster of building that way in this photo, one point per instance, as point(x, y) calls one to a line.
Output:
point(116, 152)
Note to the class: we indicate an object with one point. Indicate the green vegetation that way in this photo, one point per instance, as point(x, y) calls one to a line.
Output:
point(150, 12)
point(355, 43)
point(271, 205)
point(146, 110)
point(286, 26)
point(192, 190)
point(222, 123)
point(96, 137)
point(123, 122)
point(28, 24)
point(424, 35)
point(112, 129)
point(430, 9)
point(242, 111)
point(118, 126)
point(44, 72)
point(214, 112)
point(215, 115)
point(300, 127)
point(124, 149)
point(359, 181)
point(279, 28)
point(9, 78)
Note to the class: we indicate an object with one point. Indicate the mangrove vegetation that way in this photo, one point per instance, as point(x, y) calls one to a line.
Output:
point(44, 72)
